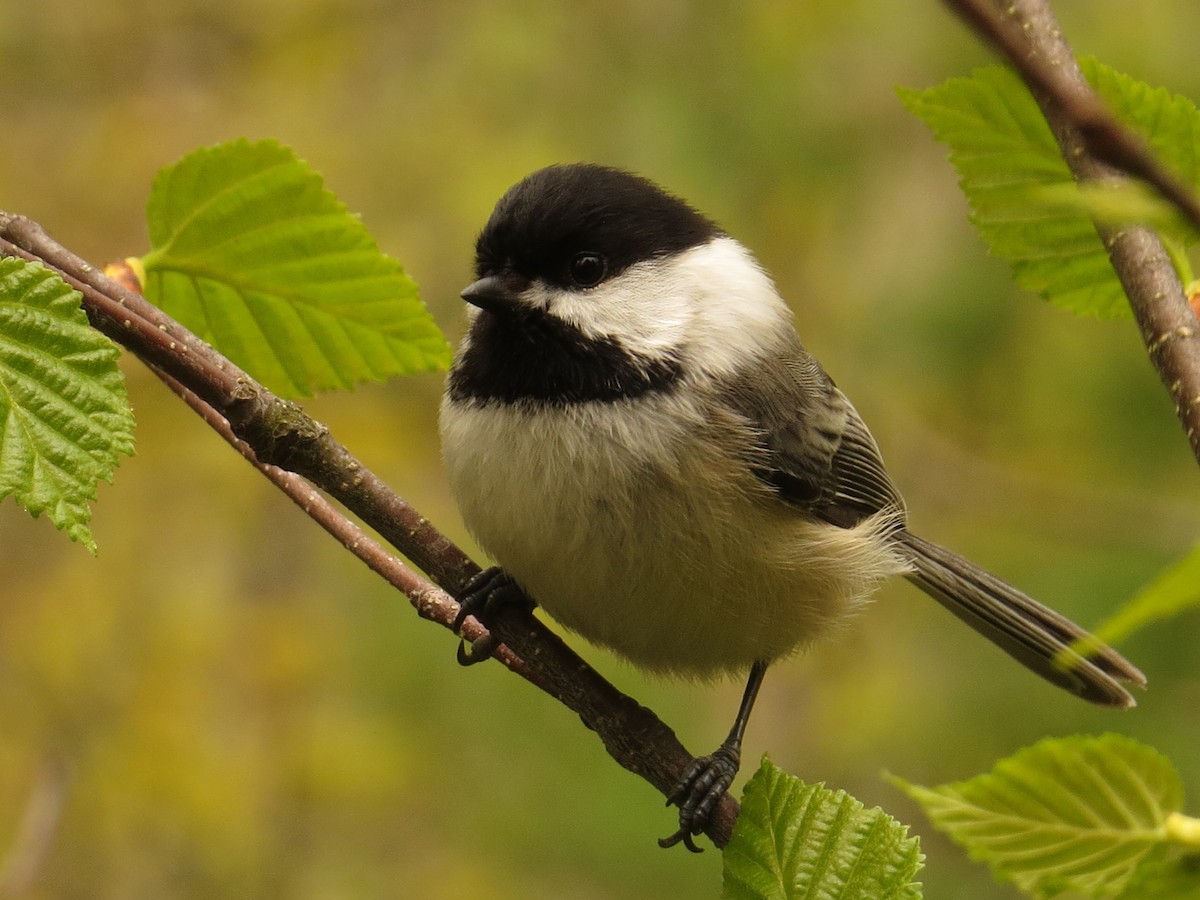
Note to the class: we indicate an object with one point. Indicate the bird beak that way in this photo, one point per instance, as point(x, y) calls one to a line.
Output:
point(494, 293)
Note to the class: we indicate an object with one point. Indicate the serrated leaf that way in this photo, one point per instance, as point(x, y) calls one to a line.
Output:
point(1004, 153)
point(1170, 123)
point(798, 840)
point(1175, 590)
point(64, 417)
point(1077, 813)
point(252, 253)
point(1010, 168)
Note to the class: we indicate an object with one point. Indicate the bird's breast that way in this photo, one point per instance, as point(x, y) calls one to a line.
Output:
point(643, 530)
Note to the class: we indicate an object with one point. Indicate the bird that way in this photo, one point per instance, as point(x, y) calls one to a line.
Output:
point(634, 432)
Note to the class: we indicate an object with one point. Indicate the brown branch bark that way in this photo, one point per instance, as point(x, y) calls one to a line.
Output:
point(1098, 148)
point(298, 453)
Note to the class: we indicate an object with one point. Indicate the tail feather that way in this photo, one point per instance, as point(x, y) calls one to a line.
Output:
point(1034, 635)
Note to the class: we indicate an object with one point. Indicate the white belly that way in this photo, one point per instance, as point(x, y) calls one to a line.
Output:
point(678, 559)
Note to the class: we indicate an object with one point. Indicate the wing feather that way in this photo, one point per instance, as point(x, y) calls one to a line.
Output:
point(814, 449)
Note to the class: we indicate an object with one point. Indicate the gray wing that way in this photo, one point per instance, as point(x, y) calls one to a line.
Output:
point(814, 449)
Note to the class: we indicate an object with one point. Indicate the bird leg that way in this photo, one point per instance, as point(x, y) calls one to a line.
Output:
point(706, 780)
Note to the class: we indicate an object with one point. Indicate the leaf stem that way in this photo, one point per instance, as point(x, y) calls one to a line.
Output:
point(1181, 829)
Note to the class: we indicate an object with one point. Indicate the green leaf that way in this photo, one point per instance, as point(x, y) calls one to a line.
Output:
point(1170, 123)
point(799, 840)
point(1004, 152)
point(64, 417)
point(1175, 590)
point(1114, 203)
point(1076, 813)
point(252, 253)
point(1166, 876)
point(1013, 176)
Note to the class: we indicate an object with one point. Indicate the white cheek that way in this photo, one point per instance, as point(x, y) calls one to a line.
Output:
point(648, 308)
point(739, 312)
point(712, 304)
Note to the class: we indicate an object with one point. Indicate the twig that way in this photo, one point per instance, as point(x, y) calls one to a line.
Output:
point(1096, 147)
point(288, 446)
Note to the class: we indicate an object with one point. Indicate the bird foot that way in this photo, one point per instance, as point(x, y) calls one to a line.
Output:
point(698, 792)
point(484, 596)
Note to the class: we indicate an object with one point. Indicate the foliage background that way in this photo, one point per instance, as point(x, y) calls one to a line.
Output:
point(226, 705)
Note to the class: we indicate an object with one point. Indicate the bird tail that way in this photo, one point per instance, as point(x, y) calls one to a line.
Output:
point(1037, 637)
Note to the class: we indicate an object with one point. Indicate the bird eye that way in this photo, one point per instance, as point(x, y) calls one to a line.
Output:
point(588, 269)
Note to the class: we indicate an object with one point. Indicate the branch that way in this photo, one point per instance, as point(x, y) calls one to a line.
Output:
point(1098, 148)
point(297, 453)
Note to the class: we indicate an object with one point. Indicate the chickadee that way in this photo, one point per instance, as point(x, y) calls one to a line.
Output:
point(632, 429)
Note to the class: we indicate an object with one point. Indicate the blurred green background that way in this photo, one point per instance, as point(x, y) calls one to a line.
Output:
point(224, 704)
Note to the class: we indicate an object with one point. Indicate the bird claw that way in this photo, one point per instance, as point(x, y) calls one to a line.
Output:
point(698, 792)
point(483, 597)
point(482, 648)
point(678, 837)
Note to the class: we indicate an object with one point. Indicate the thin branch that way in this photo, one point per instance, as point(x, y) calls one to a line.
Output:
point(292, 449)
point(1097, 148)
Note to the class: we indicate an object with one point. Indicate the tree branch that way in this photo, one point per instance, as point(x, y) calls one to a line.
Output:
point(1097, 148)
point(297, 453)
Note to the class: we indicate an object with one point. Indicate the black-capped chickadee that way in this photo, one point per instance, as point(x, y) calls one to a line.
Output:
point(634, 432)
